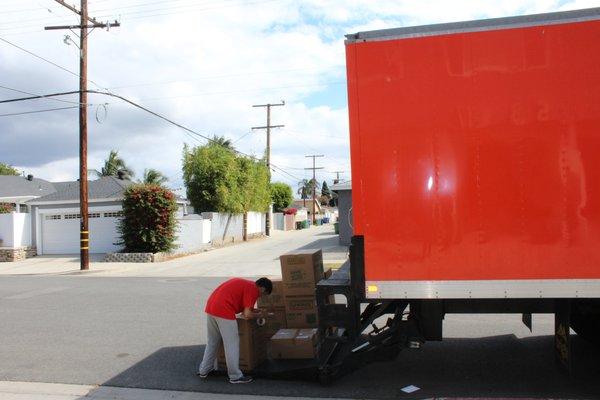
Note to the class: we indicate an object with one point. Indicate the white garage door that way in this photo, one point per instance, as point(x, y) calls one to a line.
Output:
point(60, 232)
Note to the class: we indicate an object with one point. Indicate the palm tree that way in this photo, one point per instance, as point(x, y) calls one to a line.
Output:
point(222, 141)
point(305, 188)
point(115, 166)
point(153, 177)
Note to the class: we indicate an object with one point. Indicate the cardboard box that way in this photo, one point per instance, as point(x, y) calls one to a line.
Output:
point(274, 321)
point(294, 344)
point(301, 312)
point(253, 346)
point(275, 299)
point(301, 270)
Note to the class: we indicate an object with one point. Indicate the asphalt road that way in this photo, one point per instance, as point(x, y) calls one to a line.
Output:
point(147, 333)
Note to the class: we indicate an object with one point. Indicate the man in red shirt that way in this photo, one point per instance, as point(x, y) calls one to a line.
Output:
point(230, 298)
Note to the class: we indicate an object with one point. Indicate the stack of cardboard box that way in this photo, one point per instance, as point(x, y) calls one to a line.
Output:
point(301, 271)
point(291, 304)
point(294, 344)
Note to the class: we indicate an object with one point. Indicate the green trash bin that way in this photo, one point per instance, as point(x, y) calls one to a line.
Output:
point(336, 228)
point(305, 224)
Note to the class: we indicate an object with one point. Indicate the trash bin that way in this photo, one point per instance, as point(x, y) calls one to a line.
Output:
point(299, 224)
point(325, 220)
point(336, 228)
point(306, 223)
point(318, 222)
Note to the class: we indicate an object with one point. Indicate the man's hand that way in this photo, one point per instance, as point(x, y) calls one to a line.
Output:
point(249, 313)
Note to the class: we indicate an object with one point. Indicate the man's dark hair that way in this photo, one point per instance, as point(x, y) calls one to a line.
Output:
point(265, 283)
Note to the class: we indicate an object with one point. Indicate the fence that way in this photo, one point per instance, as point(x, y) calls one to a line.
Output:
point(193, 233)
point(229, 228)
point(15, 230)
point(283, 222)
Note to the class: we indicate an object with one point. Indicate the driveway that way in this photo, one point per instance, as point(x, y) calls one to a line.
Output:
point(246, 259)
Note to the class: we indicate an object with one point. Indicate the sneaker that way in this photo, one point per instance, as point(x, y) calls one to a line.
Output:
point(203, 376)
point(243, 379)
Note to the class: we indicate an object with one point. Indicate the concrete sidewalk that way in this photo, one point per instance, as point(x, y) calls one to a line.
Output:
point(57, 391)
point(246, 259)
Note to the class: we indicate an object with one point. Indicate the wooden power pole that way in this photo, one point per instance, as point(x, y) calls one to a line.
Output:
point(314, 184)
point(337, 178)
point(85, 23)
point(268, 128)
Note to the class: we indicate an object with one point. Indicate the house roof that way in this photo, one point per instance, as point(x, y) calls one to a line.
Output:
point(13, 186)
point(300, 204)
point(342, 186)
point(107, 187)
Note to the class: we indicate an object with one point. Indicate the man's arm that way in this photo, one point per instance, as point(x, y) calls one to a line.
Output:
point(248, 313)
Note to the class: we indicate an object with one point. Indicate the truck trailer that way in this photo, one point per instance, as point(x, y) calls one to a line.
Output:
point(475, 153)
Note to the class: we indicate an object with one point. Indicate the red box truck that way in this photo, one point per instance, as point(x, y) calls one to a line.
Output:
point(475, 151)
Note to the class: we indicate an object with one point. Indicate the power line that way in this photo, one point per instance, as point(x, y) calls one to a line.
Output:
point(186, 129)
point(46, 60)
point(36, 96)
point(183, 11)
point(40, 57)
point(38, 111)
point(141, 14)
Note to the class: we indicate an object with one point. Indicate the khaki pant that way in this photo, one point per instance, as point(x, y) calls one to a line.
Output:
point(218, 329)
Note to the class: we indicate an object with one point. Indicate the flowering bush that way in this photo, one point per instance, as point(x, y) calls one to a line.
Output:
point(5, 208)
point(290, 211)
point(148, 224)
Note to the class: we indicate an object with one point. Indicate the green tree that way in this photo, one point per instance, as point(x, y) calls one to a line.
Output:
point(210, 175)
point(217, 179)
point(281, 196)
point(114, 165)
point(325, 190)
point(6, 169)
point(305, 189)
point(154, 177)
point(222, 141)
point(148, 223)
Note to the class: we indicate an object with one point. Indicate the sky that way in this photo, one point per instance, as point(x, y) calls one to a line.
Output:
point(203, 64)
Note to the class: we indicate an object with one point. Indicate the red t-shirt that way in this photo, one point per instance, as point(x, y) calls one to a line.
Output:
point(231, 297)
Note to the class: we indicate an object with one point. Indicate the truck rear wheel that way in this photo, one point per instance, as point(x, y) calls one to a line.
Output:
point(587, 326)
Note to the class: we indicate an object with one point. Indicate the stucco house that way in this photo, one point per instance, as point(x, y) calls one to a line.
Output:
point(18, 190)
point(54, 216)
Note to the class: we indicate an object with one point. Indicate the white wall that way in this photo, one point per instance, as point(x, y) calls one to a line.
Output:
point(193, 233)
point(15, 229)
point(256, 223)
point(278, 221)
point(225, 228)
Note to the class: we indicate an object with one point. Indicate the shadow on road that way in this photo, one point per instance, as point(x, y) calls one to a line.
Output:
point(498, 366)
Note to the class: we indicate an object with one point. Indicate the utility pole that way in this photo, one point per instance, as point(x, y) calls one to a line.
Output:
point(268, 128)
point(337, 179)
point(83, 182)
point(314, 183)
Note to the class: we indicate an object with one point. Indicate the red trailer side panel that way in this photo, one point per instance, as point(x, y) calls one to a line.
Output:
point(476, 155)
